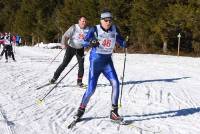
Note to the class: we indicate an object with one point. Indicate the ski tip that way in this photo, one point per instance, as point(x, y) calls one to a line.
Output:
point(83, 86)
point(71, 125)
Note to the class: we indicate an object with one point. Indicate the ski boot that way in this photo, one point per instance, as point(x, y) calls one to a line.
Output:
point(114, 116)
point(80, 83)
point(52, 81)
point(79, 113)
point(77, 116)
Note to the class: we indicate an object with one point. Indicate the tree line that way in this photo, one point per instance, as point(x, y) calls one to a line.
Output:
point(152, 25)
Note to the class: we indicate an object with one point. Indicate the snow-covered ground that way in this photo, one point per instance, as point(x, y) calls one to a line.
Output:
point(160, 95)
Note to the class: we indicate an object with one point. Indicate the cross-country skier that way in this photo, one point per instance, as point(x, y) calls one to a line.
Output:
point(8, 47)
point(18, 40)
point(2, 44)
point(72, 41)
point(1, 40)
point(103, 38)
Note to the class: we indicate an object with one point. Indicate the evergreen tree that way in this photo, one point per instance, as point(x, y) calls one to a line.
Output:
point(90, 9)
point(175, 19)
point(68, 15)
point(195, 25)
point(45, 27)
point(143, 17)
point(8, 10)
point(25, 21)
point(151, 25)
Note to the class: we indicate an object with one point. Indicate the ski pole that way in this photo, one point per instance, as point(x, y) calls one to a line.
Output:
point(56, 56)
point(51, 62)
point(120, 104)
point(40, 100)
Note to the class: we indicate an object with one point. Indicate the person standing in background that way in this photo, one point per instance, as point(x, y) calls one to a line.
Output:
point(1, 40)
point(8, 47)
point(13, 42)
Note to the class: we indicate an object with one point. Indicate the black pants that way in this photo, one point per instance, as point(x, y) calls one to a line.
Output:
point(3, 51)
point(70, 52)
point(9, 52)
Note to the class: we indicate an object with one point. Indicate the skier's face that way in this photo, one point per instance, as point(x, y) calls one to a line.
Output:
point(82, 22)
point(106, 23)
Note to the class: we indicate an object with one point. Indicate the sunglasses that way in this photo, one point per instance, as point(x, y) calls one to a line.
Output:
point(106, 20)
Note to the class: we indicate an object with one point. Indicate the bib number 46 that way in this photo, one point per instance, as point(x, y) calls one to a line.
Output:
point(106, 43)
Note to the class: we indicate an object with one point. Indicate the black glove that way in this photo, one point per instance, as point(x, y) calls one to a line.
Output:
point(94, 43)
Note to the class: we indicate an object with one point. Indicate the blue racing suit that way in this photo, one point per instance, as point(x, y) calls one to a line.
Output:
point(101, 61)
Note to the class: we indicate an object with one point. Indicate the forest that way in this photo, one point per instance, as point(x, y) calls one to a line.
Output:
point(153, 26)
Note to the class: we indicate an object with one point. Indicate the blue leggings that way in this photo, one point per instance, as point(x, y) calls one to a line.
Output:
point(98, 66)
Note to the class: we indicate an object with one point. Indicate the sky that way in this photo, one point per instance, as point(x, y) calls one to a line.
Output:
point(160, 95)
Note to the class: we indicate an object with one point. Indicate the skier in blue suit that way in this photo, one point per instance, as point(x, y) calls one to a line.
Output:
point(102, 38)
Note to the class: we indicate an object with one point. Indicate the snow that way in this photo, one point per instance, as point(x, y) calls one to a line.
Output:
point(160, 95)
point(50, 45)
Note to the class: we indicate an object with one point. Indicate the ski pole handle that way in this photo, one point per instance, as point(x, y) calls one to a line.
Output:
point(127, 38)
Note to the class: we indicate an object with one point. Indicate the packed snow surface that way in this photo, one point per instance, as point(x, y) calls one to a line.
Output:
point(161, 94)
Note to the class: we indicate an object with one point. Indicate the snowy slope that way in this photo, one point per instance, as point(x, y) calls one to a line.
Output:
point(161, 95)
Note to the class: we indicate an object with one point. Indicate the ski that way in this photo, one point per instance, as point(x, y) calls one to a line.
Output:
point(73, 123)
point(129, 124)
point(121, 122)
point(83, 86)
point(78, 86)
point(47, 84)
point(145, 129)
point(76, 120)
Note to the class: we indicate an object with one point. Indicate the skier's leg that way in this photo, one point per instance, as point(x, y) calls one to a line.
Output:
point(3, 51)
point(12, 54)
point(80, 58)
point(92, 82)
point(111, 75)
point(70, 52)
point(6, 53)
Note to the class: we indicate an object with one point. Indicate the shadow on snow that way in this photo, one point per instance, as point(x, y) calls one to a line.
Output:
point(155, 80)
point(136, 82)
point(165, 114)
point(172, 80)
point(159, 115)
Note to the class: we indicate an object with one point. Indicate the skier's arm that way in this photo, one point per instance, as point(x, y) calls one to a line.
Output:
point(90, 36)
point(120, 40)
point(64, 40)
point(66, 36)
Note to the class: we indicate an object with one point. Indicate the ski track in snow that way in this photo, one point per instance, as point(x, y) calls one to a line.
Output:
point(158, 96)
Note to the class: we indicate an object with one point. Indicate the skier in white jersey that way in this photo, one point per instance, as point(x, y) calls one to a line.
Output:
point(102, 38)
point(8, 47)
point(72, 41)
